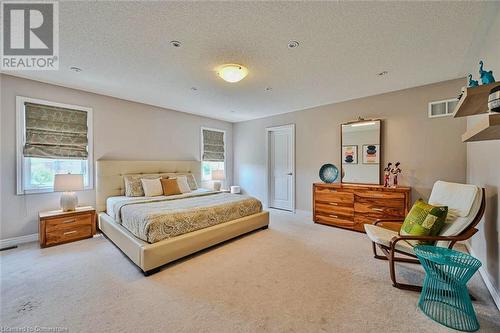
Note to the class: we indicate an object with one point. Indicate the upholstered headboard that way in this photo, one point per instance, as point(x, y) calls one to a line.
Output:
point(109, 175)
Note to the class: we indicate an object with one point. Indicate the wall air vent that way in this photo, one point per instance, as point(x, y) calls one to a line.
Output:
point(442, 108)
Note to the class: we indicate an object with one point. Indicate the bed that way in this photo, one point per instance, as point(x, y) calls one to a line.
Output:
point(153, 231)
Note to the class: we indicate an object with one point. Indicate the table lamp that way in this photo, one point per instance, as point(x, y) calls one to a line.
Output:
point(217, 176)
point(68, 184)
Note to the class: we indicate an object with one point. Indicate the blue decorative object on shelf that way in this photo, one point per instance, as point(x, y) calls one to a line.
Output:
point(472, 83)
point(444, 296)
point(486, 76)
point(328, 173)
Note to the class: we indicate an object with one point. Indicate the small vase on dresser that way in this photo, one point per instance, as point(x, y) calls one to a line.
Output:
point(350, 206)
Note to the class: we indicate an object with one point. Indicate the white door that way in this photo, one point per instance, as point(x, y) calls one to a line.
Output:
point(281, 166)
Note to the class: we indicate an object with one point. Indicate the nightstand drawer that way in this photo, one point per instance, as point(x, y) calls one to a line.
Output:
point(68, 222)
point(68, 234)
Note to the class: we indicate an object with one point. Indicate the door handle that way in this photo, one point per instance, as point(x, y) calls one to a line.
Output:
point(290, 174)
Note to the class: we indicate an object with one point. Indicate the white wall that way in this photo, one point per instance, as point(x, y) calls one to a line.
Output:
point(122, 130)
point(428, 149)
point(483, 169)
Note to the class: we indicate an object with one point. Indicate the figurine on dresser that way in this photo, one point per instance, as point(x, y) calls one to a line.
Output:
point(395, 172)
point(387, 175)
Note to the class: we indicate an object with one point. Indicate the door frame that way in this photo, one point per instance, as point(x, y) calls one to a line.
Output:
point(268, 162)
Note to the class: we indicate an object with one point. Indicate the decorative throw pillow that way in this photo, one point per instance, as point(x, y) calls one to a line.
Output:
point(133, 186)
point(183, 184)
point(192, 182)
point(424, 220)
point(170, 186)
point(152, 187)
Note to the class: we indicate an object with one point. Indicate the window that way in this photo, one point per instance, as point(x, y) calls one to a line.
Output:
point(442, 108)
point(208, 167)
point(213, 153)
point(48, 147)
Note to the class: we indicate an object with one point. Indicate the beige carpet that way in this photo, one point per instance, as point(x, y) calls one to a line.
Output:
point(293, 277)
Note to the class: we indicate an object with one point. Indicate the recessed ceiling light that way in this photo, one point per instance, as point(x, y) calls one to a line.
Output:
point(269, 88)
point(293, 44)
point(194, 88)
point(75, 69)
point(232, 72)
point(175, 43)
point(383, 73)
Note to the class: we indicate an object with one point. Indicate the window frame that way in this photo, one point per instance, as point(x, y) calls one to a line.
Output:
point(21, 140)
point(202, 149)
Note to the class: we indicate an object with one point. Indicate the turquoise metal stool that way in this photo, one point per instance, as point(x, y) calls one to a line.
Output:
point(444, 296)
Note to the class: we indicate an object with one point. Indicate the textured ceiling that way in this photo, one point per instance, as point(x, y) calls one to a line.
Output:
point(124, 51)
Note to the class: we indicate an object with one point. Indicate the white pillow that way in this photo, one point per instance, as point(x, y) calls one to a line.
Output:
point(183, 184)
point(152, 187)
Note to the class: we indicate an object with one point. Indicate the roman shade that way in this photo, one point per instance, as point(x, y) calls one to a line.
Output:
point(213, 146)
point(54, 132)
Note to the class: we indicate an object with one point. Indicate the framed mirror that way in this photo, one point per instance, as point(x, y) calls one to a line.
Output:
point(360, 151)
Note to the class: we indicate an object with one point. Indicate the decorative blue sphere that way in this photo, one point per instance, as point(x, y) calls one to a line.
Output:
point(328, 173)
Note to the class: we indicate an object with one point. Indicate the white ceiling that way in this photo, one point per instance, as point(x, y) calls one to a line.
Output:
point(124, 51)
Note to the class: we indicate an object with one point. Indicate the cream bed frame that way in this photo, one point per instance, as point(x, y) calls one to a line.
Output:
point(149, 257)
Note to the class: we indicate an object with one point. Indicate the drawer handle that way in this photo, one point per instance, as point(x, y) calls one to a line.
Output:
point(69, 232)
point(334, 216)
point(69, 221)
point(378, 209)
point(333, 203)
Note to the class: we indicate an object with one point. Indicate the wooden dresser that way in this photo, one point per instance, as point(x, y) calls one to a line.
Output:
point(350, 206)
point(58, 227)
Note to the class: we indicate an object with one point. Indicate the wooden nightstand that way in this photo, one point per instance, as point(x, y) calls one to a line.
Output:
point(58, 227)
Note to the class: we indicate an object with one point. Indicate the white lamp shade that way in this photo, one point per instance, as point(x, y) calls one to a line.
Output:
point(218, 175)
point(68, 183)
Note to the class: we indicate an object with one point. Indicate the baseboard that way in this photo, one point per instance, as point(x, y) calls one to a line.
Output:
point(484, 275)
point(17, 240)
point(304, 213)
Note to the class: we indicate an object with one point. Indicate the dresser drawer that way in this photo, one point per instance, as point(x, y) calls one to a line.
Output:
point(61, 223)
point(68, 234)
point(376, 207)
point(333, 195)
point(333, 219)
point(380, 195)
point(334, 208)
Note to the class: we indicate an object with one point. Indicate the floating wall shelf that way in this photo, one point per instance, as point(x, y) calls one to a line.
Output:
point(487, 128)
point(474, 101)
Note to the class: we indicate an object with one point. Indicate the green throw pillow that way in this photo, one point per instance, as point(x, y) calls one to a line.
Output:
point(424, 220)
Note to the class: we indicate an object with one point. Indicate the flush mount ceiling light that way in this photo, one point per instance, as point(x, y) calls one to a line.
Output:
point(293, 44)
point(75, 69)
point(175, 43)
point(232, 72)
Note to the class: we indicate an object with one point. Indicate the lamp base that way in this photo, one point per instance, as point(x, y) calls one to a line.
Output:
point(217, 186)
point(69, 201)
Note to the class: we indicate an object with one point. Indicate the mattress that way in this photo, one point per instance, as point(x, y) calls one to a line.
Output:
point(153, 219)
